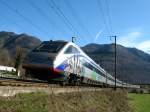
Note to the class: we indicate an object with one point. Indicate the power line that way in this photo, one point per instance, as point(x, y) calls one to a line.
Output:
point(16, 24)
point(22, 16)
point(58, 11)
point(65, 18)
point(103, 16)
point(109, 17)
point(53, 10)
point(3, 22)
point(77, 17)
point(42, 13)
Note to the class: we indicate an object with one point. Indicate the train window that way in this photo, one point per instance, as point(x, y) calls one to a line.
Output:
point(47, 46)
point(91, 67)
point(99, 72)
point(71, 50)
point(110, 78)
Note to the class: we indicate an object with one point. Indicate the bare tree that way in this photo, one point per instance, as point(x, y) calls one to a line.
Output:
point(5, 58)
point(20, 54)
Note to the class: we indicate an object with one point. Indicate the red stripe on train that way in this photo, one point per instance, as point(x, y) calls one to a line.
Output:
point(56, 70)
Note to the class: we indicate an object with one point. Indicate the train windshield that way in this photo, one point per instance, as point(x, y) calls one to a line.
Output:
point(50, 46)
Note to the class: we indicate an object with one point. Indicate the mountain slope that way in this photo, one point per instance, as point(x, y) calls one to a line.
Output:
point(11, 42)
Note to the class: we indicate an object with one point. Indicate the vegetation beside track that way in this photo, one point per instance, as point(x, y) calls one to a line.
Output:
point(140, 102)
point(102, 101)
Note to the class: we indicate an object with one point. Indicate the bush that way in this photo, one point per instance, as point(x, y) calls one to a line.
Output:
point(141, 91)
point(134, 91)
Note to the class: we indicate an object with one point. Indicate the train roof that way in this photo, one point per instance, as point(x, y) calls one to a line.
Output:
point(55, 41)
point(51, 46)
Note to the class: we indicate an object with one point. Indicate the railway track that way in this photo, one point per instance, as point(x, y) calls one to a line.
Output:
point(5, 81)
point(13, 86)
point(16, 82)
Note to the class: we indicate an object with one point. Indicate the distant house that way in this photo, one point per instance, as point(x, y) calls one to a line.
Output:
point(8, 69)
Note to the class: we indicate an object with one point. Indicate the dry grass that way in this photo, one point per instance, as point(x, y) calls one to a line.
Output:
point(104, 101)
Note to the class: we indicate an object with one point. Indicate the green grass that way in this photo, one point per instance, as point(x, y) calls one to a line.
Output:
point(24, 103)
point(103, 101)
point(141, 102)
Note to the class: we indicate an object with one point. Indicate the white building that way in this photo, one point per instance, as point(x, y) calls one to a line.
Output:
point(6, 68)
point(9, 69)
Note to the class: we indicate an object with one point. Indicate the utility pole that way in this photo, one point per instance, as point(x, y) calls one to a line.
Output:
point(73, 39)
point(115, 67)
point(106, 79)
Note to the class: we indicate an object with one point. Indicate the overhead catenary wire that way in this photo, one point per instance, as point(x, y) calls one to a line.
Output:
point(109, 16)
point(22, 16)
point(58, 13)
point(50, 9)
point(64, 18)
point(43, 14)
point(77, 18)
point(100, 6)
point(16, 24)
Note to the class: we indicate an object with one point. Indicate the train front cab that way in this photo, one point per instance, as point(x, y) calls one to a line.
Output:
point(39, 63)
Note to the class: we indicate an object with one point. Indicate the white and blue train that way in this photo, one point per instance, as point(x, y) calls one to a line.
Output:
point(62, 61)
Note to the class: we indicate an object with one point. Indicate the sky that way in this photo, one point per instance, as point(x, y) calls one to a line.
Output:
point(90, 21)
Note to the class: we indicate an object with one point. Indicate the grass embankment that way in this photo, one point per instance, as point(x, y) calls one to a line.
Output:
point(104, 101)
point(140, 102)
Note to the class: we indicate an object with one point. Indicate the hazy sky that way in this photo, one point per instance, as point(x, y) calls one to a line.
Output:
point(91, 21)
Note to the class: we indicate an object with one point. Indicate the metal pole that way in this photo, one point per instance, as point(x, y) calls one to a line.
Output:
point(115, 62)
point(73, 39)
point(115, 87)
point(106, 79)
